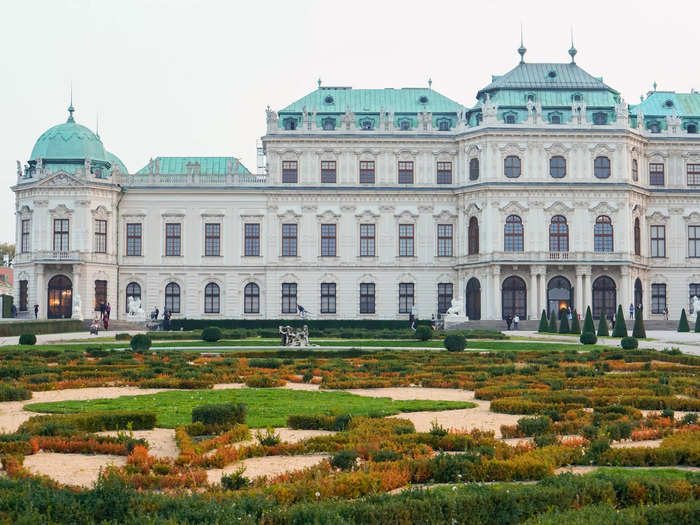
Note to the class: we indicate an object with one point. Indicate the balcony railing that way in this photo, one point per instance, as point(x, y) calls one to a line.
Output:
point(571, 257)
point(65, 256)
point(193, 179)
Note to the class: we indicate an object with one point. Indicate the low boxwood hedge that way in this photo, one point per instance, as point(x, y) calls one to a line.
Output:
point(89, 422)
point(27, 339)
point(220, 414)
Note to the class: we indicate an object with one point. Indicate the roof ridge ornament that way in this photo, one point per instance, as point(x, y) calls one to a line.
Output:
point(572, 49)
point(522, 49)
point(71, 109)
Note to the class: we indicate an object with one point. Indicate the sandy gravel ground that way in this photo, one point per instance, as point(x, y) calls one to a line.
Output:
point(71, 469)
point(266, 466)
point(649, 443)
point(161, 441)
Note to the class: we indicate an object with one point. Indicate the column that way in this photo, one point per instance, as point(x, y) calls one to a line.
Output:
point(586, 291)
point(625, 297)
point(533, 308)
point(497, 313)
point(578, 293)
point(40, 293)
point(542, 292)
point(486, 298)
point(76, 295)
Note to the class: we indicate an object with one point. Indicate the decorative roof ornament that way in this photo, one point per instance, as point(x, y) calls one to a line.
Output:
point(522, 49)
point(430, 83)
point(71, 109)
point(572, 49)
point(654, 85)
point(319, 81)
point(97, 125)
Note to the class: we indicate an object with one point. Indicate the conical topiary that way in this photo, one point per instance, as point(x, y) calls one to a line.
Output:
point(588, 325)
point(544, 326)
point(552, 323)
point(683, 323)
point(575, 325)
point(620, 329)
point(638, 331)
point(564, 324)
point(697, 322)
point(603, 325)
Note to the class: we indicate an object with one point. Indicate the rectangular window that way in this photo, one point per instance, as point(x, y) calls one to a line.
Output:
point(289, 240)
point(289, 171)
point(60, 235)
point(24, 246)
point(405, 298)
point(327, 298)
point(23, 295)
point(100, 294)
point(212, 239)
point(328, 240)
point(367, 240)
point(693, 241)
point(658, 241)
point(328, 171)
point(406, 240)
point(656, 174)
point(444, 297)
point(444, 173)
point(444, 240)
point(366, 298)
point(133, 239)
point(658, 298)
point(252, 240)
point(100, 236)
point(693, 174)
point(289, 298)
point(173, 240)
point(367, 172)
point(406, 172)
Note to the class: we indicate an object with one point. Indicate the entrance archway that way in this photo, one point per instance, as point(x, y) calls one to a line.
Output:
point(638, 293)
point(473, 306)
point(604, 296)
point(60, 303)
point(559, 295)
point(514, 297)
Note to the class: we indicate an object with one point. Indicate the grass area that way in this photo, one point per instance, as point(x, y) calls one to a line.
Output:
point(266, 407)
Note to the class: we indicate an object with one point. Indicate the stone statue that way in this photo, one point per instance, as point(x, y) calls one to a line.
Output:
point(390, 122)
point(297, 338)
point(455, 314)
point(133, 307)
point(19, 169)
point(538, 111)
point(77, 310)
point(489, 111)
point(673, 122)
point(272, 118)
point(382, 117)
point(696, 305)
point(640, 119)
point(313, 119)
point(348, 118)
point(621, 110)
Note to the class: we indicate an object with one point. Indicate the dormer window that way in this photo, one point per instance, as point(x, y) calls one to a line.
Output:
point(530, 97)
point(290, 124)
point(444, 125)
point(404, 125)
point(510, 119)
point(577, 97)
point(692, 128)
point(554, 118)
point(655, 127)
point(552, 75)
point(328, 124)
point(600, 118)
point(366, 124)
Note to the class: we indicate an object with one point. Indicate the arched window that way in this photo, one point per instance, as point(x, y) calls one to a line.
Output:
point(604, 296)
point(557, 167)
point(251, 295)
point(558, 234)
point(514, 298)
point(513, 234)
point(60, 299)
point(559, 295)
point(638, 294)
point(328, 124)
point(473, 244)
point(172, 298)
point(473, 169)
point(637, 237)
point(601, 167)
point(603, 234)
point(511, 166)
point(635, 170)
point(510, 119)
point(473, 306)
point(211, 298)
point(132, 290)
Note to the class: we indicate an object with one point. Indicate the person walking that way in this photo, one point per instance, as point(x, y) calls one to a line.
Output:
point(631, 311)
point(508, 319)
point(36, 311)
point(666, 312)
point(516, 320)
point(102, 310)
point(433, 322)
point(108, 310)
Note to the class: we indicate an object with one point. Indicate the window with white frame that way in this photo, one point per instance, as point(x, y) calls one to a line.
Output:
point(289, 298)
point(252, 239)
point(406, 295)
point(444, 297)
point(212, 239)
point(658, 240)
point(658, 298)
point(367, 240)
point(327, 298)
point(328, 240)
point(367, 299)
point(444, 240)
point(406, 240)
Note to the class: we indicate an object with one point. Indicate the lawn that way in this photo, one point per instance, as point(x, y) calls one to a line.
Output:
point(266, 407)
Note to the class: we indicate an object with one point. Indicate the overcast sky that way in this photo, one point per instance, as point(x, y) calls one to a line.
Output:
point(193, 78)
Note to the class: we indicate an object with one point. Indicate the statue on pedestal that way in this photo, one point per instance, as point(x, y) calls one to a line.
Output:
point(294, 337)
point(77, 310)
point(134, 308)
point(696, 305)
point(455, 314)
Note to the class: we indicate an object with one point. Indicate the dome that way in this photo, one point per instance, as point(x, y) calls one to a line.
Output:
point(69, 140)
point(116, 162)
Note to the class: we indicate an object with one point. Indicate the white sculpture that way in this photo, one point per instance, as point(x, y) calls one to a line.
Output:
point(272, 119)
point(489, 111)
point(297, 338)
point(134, 309)
point(696, 305)
point(455, 314)
point(77, 310)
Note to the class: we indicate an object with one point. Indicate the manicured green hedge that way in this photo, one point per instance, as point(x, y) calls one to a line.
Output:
point(89, 422)
point(318, 324)
point(221, 414)
point(11, 393)
point(318, 422)
point(57, 326)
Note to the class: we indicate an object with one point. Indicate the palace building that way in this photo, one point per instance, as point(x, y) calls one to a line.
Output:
point(549, 191)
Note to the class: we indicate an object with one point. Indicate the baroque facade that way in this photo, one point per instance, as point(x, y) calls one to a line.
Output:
point(550, 192)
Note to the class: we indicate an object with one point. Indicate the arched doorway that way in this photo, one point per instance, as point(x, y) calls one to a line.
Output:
point(60, 303)
point(638, 293)
point(604, 296)
point(514, 297)
point(559, 295)
point(473, 306)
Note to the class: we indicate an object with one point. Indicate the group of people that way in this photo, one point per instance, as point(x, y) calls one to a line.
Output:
point(512, 320)
point(167, 315)
point(105, 312)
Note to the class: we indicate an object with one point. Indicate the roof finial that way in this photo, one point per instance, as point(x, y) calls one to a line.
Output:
point(430, 83)
point(97, 125)
point(572, 49)
point(71, 109)
point(319, 81)
point(654, 86)
point(522, 49)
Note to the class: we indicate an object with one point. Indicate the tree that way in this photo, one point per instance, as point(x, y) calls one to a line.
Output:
point(620, 329)
point(552, 323)
point(603, 325)
point(588, 325)
point(7, 253)
point(564, 324)
point(575, 325)
point(697, 322)
point(638, 331)
point(543, 323)
point(683, 323)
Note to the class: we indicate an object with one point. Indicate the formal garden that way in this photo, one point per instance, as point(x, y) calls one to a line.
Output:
point(375, 424)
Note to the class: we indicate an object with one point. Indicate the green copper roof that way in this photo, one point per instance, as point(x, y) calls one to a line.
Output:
point(561, 98)
point(663, 103)
point(116, 161)
point(183, 165)
point(404, 100)
point(69, 140)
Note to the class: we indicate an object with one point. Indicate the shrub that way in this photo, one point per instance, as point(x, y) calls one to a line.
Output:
point(690, 419)
point(221, 414)
point(211, 334)
point(620, 329)
point(67, 424)
point(545, 440)
point(619, 431)
point(564, 324)
point(603, 325)
point(697, 322)
point(436, 429)
point(260, 381)
point(386, 454)
point(54, 326)
point(140, 343)
point(235, 481)
point(265, 362)
point(588, 338)
point(588, 325)
point(667, 412)
point(12, 393)
point(638, 331)
point(308, 376)
point(269, 438)
point(552, 322)
point(629, 343)
point(683, 322)
point(27, 339)
point(424, 333)
point(344, 460)
point(590, 432)
point(122, 337)
point(455, 343)
point(531, 426)
point(544, 326)
point(575, 325)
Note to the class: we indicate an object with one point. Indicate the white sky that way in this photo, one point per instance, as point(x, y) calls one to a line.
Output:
point(193, 78)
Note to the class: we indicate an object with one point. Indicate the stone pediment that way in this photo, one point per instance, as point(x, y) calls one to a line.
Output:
point(693, 216)
point(657, 216)
point(513, 207)
point(61, 179)
point(559, 207)
point(603, 208)
point(473, 209)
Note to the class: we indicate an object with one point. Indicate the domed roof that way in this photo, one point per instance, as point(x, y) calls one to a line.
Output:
point(69, 141)
point(116, 161)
